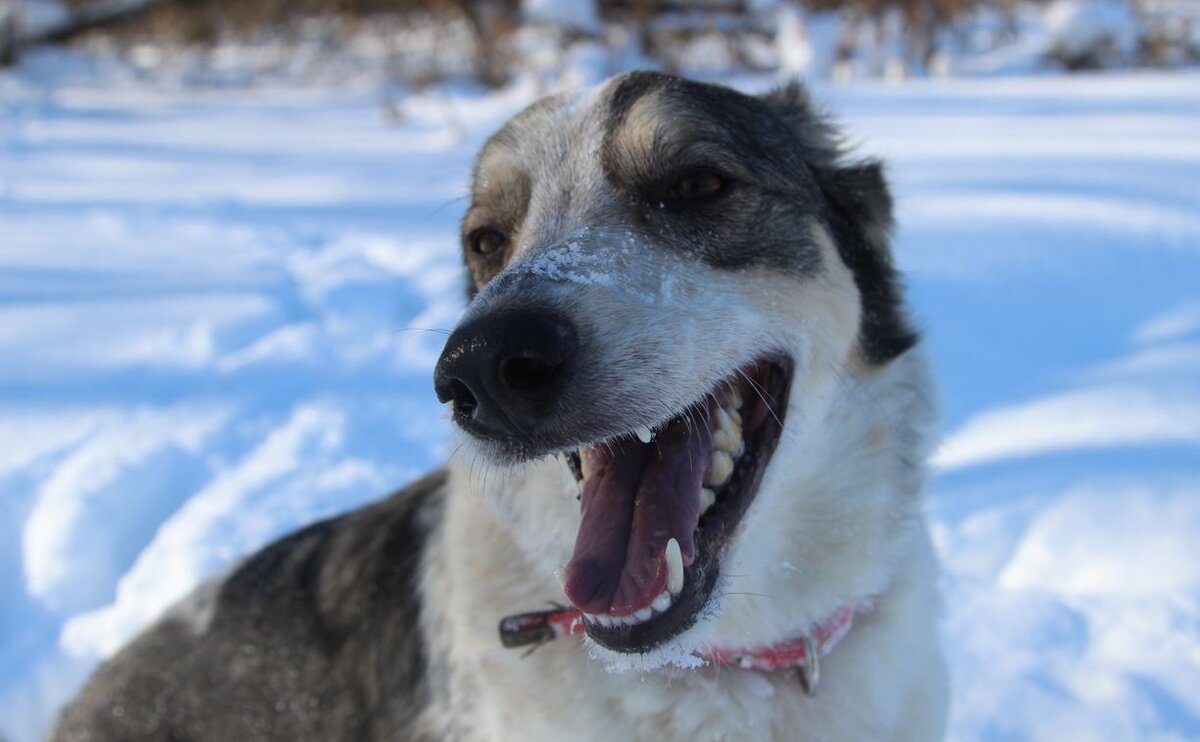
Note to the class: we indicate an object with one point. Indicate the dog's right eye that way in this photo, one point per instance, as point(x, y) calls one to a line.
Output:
point(697, 185)
point(487, 241)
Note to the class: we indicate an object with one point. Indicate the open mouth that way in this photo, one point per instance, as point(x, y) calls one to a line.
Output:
point(660, 506)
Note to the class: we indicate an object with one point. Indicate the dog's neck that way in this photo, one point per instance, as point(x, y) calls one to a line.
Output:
point(801, 654)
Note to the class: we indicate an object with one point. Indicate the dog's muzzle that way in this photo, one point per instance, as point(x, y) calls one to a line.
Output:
point(505, 371)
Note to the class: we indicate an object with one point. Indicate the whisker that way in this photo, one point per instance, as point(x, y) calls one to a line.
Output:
point(854, 390)
point(761, 395)
point(444, 204)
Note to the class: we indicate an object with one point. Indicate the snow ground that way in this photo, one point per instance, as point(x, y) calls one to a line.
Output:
point(219, 311)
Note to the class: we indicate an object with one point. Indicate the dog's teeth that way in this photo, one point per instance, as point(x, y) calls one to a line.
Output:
point(719, 469)
point(708, 498)
point(662, 602)
point(728, 435)
point(725, 441)
point(585, 464)
point(604, 620)
point(643, 433)
point(725, 418)
point(644, 614)
point(734, 399)
point(674, 567)
point(561, 574)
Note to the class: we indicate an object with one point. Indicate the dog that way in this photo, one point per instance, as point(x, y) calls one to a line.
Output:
point(693, 416)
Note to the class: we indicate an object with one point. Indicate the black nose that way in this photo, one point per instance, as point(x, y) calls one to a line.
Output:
point(506, 371)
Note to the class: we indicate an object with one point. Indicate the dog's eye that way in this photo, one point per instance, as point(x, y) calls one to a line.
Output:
point(698, 184)
point(486, 241)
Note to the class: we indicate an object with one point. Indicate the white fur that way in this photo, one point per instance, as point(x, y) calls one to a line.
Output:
point(846, 482)
point(884, 681)
point(837, 519)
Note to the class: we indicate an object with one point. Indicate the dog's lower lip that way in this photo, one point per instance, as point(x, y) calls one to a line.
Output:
point(763, 386)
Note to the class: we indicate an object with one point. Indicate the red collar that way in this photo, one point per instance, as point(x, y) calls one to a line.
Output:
point(802, 654)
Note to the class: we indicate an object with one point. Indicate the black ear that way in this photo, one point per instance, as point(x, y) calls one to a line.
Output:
point(860, 217)
point(819, 138)
point(860, 191)
point(858, 208)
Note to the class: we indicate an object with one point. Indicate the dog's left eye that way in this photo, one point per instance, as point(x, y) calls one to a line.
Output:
point(486, 240)
point(698, 184)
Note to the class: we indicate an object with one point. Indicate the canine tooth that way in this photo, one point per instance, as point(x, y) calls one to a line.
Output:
point(561, 574)
point(643, 433)
point(708, 498)
point(719, 469)
point(585, 465)
point(662, 602)
point(674, 567)
point(644, 614)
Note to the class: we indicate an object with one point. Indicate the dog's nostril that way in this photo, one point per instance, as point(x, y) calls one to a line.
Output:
point(504, 373)
point(528, 375)
point(464, 401)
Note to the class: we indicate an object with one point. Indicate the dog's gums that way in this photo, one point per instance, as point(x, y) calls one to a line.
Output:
point(659, 507)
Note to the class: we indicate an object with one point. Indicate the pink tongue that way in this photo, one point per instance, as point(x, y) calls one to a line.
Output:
point(636, 498)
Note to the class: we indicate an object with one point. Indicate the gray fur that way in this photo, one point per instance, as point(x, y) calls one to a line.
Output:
point(313, 638)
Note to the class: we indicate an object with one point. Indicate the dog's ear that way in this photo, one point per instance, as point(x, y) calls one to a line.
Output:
point(860, 219)
point(859, 216)
point(860, 192)
point(817, 134)
point(859, 188)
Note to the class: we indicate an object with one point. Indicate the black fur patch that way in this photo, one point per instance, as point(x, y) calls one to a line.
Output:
point(759, 220)
point(316, 637)
point(860, 209)
point(786, 167)
point(858, 212)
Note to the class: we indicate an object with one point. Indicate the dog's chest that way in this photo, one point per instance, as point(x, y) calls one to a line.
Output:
point(563, 694)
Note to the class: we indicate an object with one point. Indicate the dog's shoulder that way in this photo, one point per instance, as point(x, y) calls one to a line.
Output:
point(316, 636)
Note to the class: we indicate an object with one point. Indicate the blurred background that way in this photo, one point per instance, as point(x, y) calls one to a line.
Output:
point(229, 254)
point(418, 43)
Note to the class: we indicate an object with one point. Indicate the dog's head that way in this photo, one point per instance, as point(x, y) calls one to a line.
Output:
point(671, 283)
